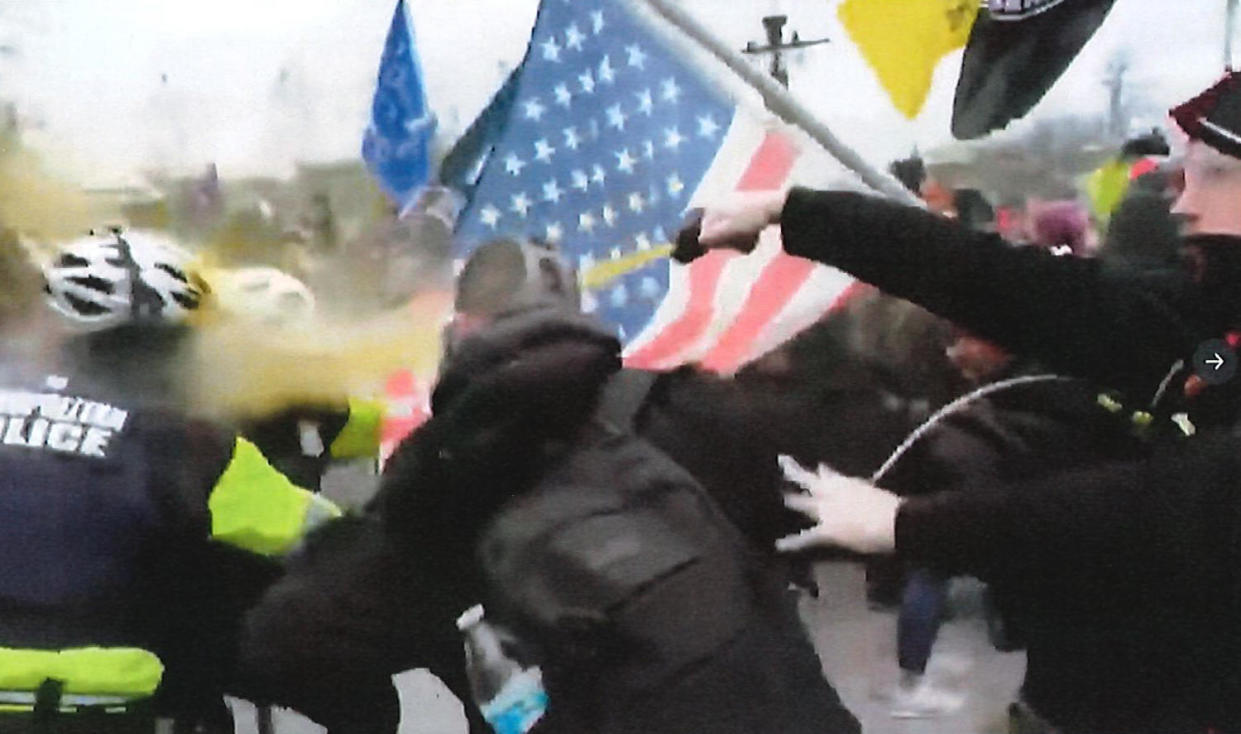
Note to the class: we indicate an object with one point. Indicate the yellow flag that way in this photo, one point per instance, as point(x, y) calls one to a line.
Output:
point(903, 41)
point(1106, 186)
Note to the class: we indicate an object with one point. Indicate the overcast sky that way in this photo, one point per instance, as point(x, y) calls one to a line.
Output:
point(119, 86)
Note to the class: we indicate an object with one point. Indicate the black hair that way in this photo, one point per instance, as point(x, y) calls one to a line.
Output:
point(493, 273)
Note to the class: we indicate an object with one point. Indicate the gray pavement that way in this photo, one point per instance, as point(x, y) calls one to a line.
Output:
point(858, 649)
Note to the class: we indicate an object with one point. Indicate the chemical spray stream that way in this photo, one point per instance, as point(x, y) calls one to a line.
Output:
point(235, 370)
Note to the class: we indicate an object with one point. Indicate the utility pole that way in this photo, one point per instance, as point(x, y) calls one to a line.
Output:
point(1115, 83)
point(780, 102)
point(1230, 27)
point(776, 46)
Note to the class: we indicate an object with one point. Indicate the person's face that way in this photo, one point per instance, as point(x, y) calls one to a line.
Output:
point(1211, 200)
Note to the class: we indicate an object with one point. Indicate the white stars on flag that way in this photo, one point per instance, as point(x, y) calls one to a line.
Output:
point(616, 118)
point(625, 161)
point(534, 109)
point(555, 232)
point(646, 104)
point(490, 216)
point(552, 192)
point(707, 127)
point(673, 138)
point(675, 186)
point(543, 151)
point(574, 157)
point(606, 73)
point(637, 57)
point(513, 164)
point(551, 50)
point(573, 37)
point(587, 81)
point(521, 204)
point(669, 91)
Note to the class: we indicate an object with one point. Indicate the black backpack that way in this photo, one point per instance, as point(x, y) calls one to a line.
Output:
point(645, 607)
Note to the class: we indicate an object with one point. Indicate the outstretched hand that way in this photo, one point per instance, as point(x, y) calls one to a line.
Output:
point(733, 223)
point(848, 513)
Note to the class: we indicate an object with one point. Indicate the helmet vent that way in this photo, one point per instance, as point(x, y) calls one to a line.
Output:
point(93, 282)
point(84, 307)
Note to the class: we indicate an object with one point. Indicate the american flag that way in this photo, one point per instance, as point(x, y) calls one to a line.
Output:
point(599, 142)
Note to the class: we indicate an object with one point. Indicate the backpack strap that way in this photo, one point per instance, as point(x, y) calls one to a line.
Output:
point(623, 398)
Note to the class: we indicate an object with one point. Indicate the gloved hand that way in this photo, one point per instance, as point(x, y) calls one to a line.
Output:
point(847, 512)
point(734, 223)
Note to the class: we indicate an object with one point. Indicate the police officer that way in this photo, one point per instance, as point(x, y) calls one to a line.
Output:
point(110, 505)
point(1132, 565)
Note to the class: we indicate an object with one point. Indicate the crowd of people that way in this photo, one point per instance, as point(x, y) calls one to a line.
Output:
point(1026, 402)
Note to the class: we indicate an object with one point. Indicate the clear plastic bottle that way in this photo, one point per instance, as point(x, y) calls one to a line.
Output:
point(511, 697)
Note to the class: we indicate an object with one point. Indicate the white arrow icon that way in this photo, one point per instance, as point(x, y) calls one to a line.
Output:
point(1217, 362)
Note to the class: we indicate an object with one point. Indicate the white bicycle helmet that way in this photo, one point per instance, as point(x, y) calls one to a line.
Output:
point(104, 281)
point(264, 295)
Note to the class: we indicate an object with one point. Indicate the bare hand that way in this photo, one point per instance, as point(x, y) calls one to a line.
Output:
point(847, 512)
point(734, 223)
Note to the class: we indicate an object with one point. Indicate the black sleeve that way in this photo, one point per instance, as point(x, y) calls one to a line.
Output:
point(1071, 314)
point(352, 609)
point(1124, 528)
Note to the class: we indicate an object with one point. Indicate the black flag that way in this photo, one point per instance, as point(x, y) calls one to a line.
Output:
point(1017, 50)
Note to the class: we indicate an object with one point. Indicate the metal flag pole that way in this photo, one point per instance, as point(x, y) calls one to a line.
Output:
point(782, 103)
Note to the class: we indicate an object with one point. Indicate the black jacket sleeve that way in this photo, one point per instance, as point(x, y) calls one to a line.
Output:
point(1074, 315)
point(1165, 525)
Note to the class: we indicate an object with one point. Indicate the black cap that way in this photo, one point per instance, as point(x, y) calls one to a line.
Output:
point(1151, 143)
point(1214, 117)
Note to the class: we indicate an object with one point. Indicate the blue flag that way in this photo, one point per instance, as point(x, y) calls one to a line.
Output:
point(595, 143)
point(397, 140)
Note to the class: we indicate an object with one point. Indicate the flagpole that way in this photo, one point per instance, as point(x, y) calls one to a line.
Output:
point(783, 104)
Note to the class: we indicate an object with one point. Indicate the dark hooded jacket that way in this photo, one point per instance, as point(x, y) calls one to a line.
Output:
point(648, 608)
point(1138, 556)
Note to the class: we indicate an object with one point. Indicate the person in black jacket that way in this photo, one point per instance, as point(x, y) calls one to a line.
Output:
point(1141, 573)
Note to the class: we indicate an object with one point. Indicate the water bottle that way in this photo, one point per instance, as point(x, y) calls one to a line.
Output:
point(511, 697)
